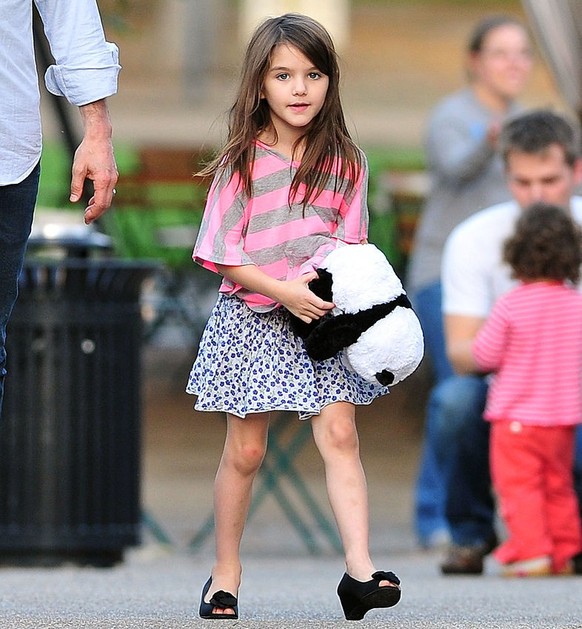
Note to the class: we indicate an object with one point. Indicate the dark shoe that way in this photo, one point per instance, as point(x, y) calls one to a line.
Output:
point(221, 600)
point(577, 563)
point(467, 559)
point(359, 597)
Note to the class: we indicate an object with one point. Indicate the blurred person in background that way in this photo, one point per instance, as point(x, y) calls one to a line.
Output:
point(531, 343)
point(540, 150)
point(466, 176)
point(85, 73)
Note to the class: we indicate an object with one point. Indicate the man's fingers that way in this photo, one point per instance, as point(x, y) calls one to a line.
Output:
point(103, 193)
point(77, 181)
point(92, 211)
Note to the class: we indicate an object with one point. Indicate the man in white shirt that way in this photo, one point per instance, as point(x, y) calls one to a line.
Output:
point(85, 72)
point(540, 151)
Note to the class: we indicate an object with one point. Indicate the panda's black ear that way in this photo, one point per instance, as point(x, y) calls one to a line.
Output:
point(322, 285)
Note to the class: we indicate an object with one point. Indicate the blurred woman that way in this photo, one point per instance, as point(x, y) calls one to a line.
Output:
point(466, 176)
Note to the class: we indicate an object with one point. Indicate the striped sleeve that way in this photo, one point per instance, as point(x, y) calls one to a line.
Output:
point(352, 224)
point(491, 341)
point(220, 239)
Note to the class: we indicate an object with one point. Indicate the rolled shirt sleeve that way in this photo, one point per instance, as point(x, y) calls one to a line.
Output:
point(86, 65)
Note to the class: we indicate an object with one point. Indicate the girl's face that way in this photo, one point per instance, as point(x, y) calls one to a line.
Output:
point(504, 63)
point(295, 91)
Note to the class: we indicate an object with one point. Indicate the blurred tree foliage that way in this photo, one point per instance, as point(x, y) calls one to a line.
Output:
point(121, 15)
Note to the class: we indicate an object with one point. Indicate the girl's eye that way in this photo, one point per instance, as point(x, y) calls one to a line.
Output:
point(314, 75)
point(283, 76)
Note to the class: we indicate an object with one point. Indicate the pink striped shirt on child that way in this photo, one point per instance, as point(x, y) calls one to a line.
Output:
point(283, 240)
point(532, 340)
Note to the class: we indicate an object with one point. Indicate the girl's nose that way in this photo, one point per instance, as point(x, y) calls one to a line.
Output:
point(299, 88)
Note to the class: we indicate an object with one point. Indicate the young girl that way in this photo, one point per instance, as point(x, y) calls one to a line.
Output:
point(289, 186)
point(532, 340)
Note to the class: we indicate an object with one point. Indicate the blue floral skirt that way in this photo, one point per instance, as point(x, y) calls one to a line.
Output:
point(250, 362)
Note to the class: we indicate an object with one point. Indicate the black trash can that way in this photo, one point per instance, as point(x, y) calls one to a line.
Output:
point(70, 431)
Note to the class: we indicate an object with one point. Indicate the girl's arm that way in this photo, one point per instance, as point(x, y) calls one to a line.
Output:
point(490, 343)
point(293, 294)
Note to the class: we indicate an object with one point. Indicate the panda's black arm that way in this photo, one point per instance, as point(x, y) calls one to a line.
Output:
point(331, 336)
point(335, 333)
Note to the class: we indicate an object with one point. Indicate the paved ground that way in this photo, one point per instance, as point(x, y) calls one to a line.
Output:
point(155, 589)
point(158, 586)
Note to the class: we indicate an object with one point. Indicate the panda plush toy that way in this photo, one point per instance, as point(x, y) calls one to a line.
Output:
point(373, 323)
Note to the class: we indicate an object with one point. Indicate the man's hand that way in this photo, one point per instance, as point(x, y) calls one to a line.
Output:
point(94, 160)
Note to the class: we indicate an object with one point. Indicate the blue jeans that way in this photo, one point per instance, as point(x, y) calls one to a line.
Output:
point(16, 211)
point(461, 441)
point(460, 437)
point(429, 501)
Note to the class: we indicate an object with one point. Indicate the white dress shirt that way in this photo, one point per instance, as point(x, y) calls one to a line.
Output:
point(85, 70)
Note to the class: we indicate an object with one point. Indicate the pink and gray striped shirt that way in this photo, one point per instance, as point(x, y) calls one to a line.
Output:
point(533, 341)
point(282, 240)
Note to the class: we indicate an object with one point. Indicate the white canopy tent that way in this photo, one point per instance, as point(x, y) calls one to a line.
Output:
point(557, 25)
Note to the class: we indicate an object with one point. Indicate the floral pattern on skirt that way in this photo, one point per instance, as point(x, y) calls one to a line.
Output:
point(250, 362)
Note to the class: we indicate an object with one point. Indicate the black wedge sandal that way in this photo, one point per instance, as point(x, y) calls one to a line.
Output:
point(359, 597)
point(220, 600)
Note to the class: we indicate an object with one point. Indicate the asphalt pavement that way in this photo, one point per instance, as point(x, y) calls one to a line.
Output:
point(156, 587)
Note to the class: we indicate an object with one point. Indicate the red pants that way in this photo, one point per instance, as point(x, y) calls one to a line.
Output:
point(531, 468)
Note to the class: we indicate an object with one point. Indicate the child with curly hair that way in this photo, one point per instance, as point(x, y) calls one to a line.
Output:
point(532, 341)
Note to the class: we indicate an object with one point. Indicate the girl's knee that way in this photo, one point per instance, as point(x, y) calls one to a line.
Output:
point(250, 458)
point(246, 459)
point(340, 436)
point(246, 444)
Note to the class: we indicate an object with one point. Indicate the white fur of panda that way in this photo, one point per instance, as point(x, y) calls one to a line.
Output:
point(363, 278)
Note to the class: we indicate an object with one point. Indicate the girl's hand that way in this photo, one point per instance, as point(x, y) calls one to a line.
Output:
point(293, 294)
point(300, 301)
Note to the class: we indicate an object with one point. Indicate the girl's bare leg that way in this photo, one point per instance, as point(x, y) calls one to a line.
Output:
point(336, 437)
point(244, 449)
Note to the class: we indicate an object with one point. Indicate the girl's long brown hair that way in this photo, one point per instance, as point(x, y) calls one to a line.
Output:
point(329, 149)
